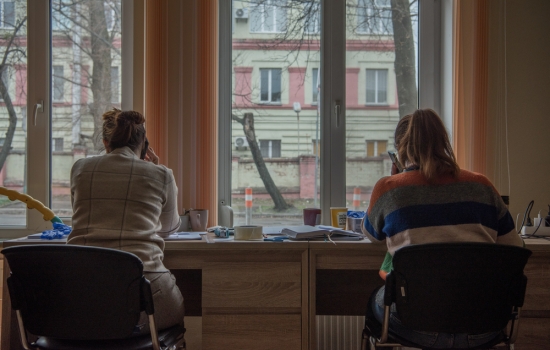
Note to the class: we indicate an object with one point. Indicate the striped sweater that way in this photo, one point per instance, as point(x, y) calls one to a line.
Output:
point(405, 209)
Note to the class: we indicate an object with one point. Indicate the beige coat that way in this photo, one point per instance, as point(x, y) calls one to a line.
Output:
point(122, 202)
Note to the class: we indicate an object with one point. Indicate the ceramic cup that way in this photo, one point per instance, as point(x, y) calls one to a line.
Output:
point(198, 219)
point(312, 216)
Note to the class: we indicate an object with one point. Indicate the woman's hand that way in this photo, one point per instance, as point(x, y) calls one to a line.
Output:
point(150, 156)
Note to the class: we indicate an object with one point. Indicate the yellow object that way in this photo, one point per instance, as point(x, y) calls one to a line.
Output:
point(30, 202)
point(338, 217)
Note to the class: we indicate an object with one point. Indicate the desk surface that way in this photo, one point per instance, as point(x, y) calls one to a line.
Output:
point(257, 286)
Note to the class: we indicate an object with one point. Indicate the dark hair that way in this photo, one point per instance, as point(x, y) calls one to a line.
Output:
point(129, 131)
point(400, 129)
point(426, 144)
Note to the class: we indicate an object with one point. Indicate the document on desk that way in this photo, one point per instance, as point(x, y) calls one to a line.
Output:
point(321, 232)
point(184, 236)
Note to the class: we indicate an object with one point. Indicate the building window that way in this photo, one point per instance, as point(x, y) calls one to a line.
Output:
point(315, 85)
point(58, 83)
point(60, 15)
point(57, 144)
point(7, 14)
point(376, 148)
point(312, 17)
point(6, 80)
point(268, 16)
point(316, 147)
point(377, 86)
point(115, 98)
point(270, 81)
point(2, 140)
point(374, 17)
point(270, 148)
point(112, 14)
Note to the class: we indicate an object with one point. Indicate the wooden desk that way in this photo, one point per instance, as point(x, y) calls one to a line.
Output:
point(265, 295)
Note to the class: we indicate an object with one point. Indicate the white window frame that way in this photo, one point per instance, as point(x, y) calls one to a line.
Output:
point(2, 12)
point(57, 79)
point(39, 84)
point(314, 86)
point(376, 86)
point(435, 34)
point(271, 5)
point(59, 22)
point(314, 22)
point(270, 144)
point(270, 85)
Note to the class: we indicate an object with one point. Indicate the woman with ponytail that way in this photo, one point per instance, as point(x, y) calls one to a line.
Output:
point(431, 201)
point(125, 200)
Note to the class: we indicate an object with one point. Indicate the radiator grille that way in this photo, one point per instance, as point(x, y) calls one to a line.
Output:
point(339, 332)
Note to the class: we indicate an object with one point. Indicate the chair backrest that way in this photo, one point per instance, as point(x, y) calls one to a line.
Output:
point(458, 287)
point(76, 292)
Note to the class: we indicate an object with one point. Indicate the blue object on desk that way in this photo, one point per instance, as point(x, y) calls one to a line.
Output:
point(59, 231)
point(276, 239)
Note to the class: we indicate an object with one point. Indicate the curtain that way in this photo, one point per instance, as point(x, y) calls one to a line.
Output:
point(181, 96)
point(479, 78)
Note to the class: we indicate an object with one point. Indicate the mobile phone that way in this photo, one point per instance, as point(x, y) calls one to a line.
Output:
point(144, 149)
point(395, 161)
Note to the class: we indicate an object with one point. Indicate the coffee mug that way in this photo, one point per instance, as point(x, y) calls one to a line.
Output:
point(338, 217)
point(198, 219)
point(312, 216)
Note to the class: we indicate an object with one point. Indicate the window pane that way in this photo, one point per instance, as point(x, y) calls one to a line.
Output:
point(275, 85)
point(372, 108)
point(314, 84)
point(275, 66)
point(13, 112)
point(90, 82)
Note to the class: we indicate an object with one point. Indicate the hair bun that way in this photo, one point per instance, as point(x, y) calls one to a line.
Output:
point(130, 117)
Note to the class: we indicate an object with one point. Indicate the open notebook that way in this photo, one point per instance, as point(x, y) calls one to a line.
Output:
point(320, 232)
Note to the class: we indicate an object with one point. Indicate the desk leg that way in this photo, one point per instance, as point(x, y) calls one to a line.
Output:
point(312, 334)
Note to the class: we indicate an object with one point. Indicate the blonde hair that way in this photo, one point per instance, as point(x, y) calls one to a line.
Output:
point(426, 144)
point(109, 123)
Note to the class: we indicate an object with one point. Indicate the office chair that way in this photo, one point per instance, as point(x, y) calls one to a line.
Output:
point(78, 297)
point(471, 288)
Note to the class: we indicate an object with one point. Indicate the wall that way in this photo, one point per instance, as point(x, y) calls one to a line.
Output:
point(528, 76)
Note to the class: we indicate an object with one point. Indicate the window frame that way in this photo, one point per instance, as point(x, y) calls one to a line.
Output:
point(434, 68)
point(270, 86)
point(379, 28)
point(270, 147)
point(2, 14)
point(376, 88)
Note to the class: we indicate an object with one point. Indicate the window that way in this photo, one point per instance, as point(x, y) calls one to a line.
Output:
point(58, 83)
point(268, 16)
point(315, 85)
point(270, 81)
point(2, 140)
point(112, 14)
point(60, 15)
point(6, 80)
point(376, 148)
point(377, 83)
point(312, 17)
point(270, 148)
point(115, 96)
point(374, 17)
point(7, 14)
point(57, 144)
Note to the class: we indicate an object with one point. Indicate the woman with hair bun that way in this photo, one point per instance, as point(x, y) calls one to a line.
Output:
point(432, 201)
point(124, 200)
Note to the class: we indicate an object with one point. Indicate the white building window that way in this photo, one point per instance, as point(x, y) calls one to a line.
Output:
point(270, 148)
point(7, 14)
point(115, 95)
point(268, 16)
point(61, 14)
point(58, 83)
point(374, 17)
point(376, 148)
point(312, 17)
point(57, 144)
point(377, 86)
point(112, 14)
point(270, 82)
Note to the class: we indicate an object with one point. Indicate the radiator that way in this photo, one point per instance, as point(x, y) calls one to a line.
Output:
point(339, 332)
